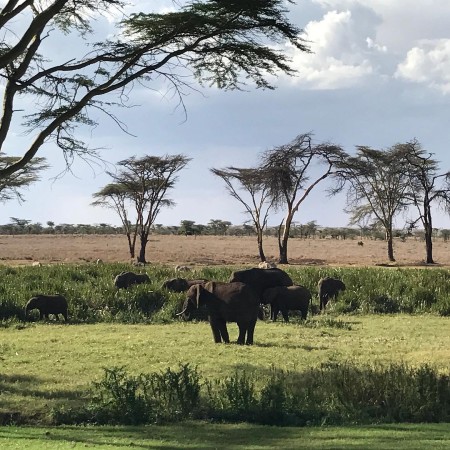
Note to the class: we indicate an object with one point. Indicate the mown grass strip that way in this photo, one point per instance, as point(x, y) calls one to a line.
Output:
point(201, 436)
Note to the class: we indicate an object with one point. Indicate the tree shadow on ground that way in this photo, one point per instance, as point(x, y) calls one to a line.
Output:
point(204, 436)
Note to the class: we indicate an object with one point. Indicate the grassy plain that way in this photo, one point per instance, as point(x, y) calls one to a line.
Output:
point(45, 365)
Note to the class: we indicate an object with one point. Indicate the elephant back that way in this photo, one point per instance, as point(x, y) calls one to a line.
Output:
point(261, 279)
point(126, 279)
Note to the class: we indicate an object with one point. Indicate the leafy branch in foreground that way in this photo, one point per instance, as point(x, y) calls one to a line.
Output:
point(213, 42)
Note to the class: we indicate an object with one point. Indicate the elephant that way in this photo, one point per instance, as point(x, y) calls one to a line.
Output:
point(48, 304)
point(126, 279)
point(287, 298)
point(225, 302)
point(181, 284)
point(329, 288)
point(261, 279)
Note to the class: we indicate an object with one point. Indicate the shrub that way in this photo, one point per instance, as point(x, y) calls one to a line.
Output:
point(120, 398)
point(335, 393)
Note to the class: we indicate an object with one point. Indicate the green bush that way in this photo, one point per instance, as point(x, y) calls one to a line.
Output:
point(133, 400)
point(333, 394)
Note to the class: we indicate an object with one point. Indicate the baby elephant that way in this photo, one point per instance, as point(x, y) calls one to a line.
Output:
point(126, 279)
point(48, 304)
point(181, 284)
point(287, 298)
point(329, 288)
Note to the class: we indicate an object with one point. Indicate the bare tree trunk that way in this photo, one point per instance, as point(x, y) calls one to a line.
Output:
point(283, 241)
point(428, 228)
point(262, 256)
point(390, 242)
point(429, 243)
point(131, 245)
point(143, 246)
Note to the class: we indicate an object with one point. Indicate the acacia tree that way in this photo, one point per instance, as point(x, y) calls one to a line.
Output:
point(426, 187)
point(378, 184)
point(211, 41)
point(251, 182)
point(290, 179)
point(115, 196)
point(143, 184)
point(218, 226)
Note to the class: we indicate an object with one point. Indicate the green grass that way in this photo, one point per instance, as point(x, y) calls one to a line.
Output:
point(45, 365)
point(205, 436)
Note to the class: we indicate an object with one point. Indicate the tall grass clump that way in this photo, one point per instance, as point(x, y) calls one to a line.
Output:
point(120, 398)
point(382, 290)
point(335, 394)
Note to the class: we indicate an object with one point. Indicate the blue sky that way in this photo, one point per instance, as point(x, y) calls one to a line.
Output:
point(379, 74)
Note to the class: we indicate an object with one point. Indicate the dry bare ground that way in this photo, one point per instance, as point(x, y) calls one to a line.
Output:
point(212, 250)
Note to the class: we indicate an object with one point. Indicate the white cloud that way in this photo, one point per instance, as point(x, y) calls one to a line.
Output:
point(428, 63)
point(342, 56)
point(402, 21)
point(371, 44)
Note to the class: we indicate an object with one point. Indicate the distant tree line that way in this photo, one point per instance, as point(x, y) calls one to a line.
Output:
point(217, 227)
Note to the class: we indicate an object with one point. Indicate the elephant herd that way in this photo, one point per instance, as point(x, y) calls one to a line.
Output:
point(238, 300)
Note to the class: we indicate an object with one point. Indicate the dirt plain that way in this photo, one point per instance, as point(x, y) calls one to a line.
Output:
point(214, 250)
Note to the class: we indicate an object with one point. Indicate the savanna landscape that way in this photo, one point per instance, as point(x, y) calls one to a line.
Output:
point(371, 371)
point(97, 352)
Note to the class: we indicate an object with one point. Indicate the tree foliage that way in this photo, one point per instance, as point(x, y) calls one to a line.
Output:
point(225, 43)
point(11, 186)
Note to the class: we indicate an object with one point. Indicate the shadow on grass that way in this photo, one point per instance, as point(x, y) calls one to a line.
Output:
point(308, 348)
point(27, 387)
point(200, 435)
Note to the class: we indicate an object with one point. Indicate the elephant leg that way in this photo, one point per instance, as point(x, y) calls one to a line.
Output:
point(215, 331)
point(284, 313)
point(41, 315)
point(243, 326)
point(250, 332)
point(222, 324)
point(274, 313)
point(304, 313)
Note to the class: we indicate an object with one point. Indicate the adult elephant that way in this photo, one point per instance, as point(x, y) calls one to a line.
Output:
point(46, 305)
point(180, 284)
point(262, 279)
point(225, 302)
point(287, 298)
point(329, 288)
